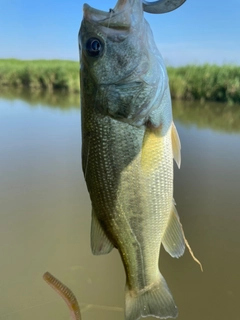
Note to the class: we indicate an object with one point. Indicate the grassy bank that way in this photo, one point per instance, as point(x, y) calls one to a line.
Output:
point(206, 82)
point(40, 74)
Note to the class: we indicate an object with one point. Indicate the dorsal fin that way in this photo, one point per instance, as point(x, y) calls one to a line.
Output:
point(176, 146)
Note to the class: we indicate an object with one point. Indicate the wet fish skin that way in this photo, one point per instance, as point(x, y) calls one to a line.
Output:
point(128, 145)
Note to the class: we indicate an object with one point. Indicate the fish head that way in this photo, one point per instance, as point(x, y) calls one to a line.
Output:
point(120, 63)
point(110, 43)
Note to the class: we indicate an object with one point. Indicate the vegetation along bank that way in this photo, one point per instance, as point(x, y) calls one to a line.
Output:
point(191, 82)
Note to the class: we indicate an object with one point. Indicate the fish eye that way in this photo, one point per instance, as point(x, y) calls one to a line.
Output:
point(94, 47)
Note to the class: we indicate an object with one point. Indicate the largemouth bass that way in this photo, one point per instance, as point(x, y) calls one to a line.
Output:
point(128, 145)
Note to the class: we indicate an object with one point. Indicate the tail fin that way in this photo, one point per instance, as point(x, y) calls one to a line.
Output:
point(155, 301)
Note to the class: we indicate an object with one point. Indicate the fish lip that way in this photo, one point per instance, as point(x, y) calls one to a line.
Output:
point(120, 6)
point(105, 18)
point(93, 14)
point(118, 18)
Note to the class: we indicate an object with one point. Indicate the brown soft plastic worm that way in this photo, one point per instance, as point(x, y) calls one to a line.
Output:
point(65, 293)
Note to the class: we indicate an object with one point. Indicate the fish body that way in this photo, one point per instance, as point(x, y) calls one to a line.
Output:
point(128, 145)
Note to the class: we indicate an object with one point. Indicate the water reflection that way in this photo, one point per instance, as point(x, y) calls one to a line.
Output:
point(216, 116)
point(60, 100)
point(45, 214)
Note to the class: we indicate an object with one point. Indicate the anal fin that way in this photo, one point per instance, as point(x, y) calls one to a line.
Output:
point(100, 244)
point(173, 239)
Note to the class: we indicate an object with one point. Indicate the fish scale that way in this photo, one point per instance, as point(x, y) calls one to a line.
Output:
point(129, 142)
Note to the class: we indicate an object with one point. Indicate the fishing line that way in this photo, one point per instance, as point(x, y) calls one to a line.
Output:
point(111, 12)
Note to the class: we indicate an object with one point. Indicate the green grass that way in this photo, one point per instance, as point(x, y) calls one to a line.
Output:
point(192, 82)
point(206, 83)
point(40, 74)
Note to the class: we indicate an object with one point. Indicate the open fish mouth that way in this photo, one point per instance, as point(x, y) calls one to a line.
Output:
point(120, 17)
point(155, 7)
point(93, 14)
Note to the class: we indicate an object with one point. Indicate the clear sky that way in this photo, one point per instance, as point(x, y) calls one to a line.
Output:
point(200, 31)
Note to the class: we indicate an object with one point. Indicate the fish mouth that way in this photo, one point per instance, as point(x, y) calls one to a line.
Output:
point(93, 14)
point(120, 17)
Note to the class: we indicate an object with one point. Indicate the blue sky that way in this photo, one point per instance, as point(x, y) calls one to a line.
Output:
point(200, 31)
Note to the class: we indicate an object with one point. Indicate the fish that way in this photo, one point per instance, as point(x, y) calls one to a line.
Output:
point(129, 142)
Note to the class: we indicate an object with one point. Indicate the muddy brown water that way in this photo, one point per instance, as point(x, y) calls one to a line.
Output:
point(45, 214)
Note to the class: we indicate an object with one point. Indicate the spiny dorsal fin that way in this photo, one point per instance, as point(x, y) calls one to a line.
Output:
point(100, 244)
point(176, 146)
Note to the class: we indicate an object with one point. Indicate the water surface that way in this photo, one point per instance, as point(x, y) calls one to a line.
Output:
point(45, 214)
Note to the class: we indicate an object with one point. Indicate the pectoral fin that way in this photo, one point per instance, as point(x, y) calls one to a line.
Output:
point(176, 146)
point(173, 239)
point(100, 244)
